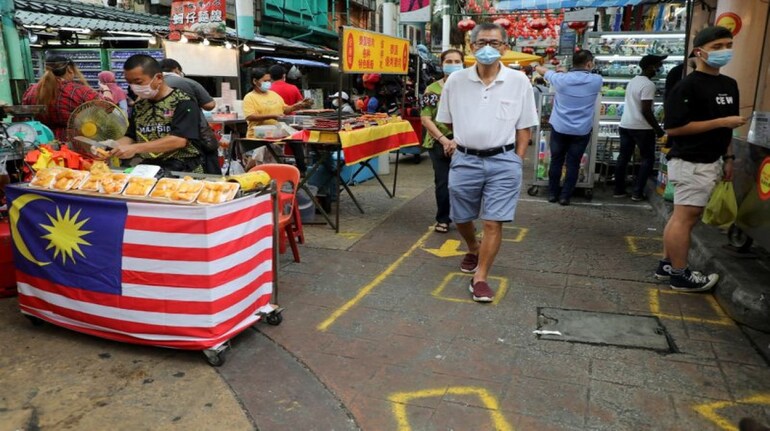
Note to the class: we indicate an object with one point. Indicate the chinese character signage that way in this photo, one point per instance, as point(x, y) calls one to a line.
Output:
point(369, 52)
point(415, 11)
point(205, 18)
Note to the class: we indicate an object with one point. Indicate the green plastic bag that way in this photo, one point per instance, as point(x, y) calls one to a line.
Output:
point(722, 207)
point(668, 193)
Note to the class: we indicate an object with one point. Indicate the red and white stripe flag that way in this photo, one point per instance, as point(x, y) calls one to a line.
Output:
point(189, 277)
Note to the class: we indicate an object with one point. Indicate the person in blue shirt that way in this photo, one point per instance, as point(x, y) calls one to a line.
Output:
point(571, 121)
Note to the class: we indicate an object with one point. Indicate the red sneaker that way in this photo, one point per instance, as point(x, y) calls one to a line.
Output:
point(481, 291)
point(470, 263)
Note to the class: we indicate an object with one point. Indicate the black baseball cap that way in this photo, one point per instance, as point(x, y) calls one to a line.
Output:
point(651, 60)
point(710, 34)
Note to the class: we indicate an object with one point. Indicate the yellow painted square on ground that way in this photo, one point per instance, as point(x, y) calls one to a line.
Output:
point(517, 234)
point(401, 400)
point(719, 317)
point(461, 281)
point(709, 410)
point(645, 245)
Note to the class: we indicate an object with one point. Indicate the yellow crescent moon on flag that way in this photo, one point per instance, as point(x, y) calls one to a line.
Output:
point(15, 213)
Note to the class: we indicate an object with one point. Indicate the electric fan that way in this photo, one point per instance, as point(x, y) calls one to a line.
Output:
point(96, 121)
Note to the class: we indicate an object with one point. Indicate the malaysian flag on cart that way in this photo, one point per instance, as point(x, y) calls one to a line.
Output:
point(180, 276)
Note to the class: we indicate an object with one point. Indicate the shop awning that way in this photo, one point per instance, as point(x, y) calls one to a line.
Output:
point(508, 5)
point(299, 62)
point(58, 13)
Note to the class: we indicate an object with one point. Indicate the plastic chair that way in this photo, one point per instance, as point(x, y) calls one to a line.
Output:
point(289, 222)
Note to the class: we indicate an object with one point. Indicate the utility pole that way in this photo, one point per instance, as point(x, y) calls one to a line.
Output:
point(445, 25)
point(389, 28)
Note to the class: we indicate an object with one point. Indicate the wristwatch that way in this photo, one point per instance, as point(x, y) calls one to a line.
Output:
point(728, 157)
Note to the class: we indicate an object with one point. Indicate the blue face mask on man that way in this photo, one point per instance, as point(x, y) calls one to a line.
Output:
point(449, 68)
point(487, 55)
point(719, 58)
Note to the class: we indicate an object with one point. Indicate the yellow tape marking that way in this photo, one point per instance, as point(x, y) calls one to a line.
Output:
point(499, 294)
point(323, 326)
point(709, 410)
point(632, 242)
point(654, 301)
point(519, 236)
point(401, 399)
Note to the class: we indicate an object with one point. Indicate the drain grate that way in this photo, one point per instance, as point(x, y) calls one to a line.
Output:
point(610, 329)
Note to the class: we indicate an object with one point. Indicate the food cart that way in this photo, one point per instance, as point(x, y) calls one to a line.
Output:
point(141, 269)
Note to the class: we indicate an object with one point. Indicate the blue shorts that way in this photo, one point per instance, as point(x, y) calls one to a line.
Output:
point(484, 187)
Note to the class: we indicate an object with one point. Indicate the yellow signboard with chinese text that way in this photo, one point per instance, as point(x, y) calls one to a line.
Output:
point(369, 52)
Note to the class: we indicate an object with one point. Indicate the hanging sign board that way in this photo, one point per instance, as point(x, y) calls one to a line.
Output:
point(205, 18)
point(414, 11)
point(567, 40)
point(585, 14)
point(369, 52)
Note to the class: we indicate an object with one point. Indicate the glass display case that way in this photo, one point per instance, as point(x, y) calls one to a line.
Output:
point(541, 138)
point(119, 56)
point(616, 58)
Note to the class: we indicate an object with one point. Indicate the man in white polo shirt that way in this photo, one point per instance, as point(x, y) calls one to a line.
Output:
point(490, 109)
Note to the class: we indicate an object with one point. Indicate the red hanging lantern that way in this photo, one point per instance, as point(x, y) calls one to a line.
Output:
point(578, 25)
point(528, 50)
point(550, 50)
point(466, 24)
point(503, 22)
point(538, 24)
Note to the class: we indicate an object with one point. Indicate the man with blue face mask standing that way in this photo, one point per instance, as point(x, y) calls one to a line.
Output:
point(490, 109)
point(701, 113)
point(572, 120)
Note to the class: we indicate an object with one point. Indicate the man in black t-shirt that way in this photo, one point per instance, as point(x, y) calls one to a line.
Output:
point(701, 113)
point(164, 123)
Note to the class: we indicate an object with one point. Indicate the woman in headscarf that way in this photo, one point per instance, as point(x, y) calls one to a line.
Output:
point(119, 97)
point(61, 89)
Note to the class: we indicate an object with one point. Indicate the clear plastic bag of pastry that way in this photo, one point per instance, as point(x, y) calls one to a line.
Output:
point(187, 191)
point(165, 187)
point(113, 184)
point(139, 186)
point(92, 183)
point(217, 192)
point(45, 178)
point(69, 179)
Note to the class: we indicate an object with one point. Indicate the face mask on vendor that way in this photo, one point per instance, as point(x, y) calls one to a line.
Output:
point(145, 91)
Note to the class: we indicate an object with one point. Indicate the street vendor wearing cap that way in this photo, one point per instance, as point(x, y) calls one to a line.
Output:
point(490, 109)
point(639, 128)
point(701, 112)
point(341, 99)
point(61, 89)
point(165, 122)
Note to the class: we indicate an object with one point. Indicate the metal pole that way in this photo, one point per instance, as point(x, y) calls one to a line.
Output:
point(389, 28)
point(445, 25)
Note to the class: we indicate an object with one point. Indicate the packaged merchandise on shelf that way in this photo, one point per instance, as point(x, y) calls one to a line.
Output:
point(117, 57)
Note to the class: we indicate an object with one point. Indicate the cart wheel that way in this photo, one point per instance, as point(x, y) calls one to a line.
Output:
point(214, 358)
point(738, 239)
point(589, 194)
point(274, 319)
point(36, 321)
point(532, 190)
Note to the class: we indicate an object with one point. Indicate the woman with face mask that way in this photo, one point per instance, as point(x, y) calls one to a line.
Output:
point(451, 61)
point(62, 88)
point(262, 106)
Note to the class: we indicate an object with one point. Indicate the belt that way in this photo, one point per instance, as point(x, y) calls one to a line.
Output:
point(486, 153)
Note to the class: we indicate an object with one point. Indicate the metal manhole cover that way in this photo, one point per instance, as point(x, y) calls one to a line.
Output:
point(611, 329)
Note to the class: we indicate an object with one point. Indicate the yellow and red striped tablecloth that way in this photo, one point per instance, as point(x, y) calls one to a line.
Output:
point(363, 144)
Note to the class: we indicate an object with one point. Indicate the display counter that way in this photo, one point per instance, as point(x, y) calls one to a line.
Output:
point(181, 276)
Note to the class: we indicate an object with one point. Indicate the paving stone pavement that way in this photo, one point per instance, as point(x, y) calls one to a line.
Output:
point(413, 352)
point(412, 355)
